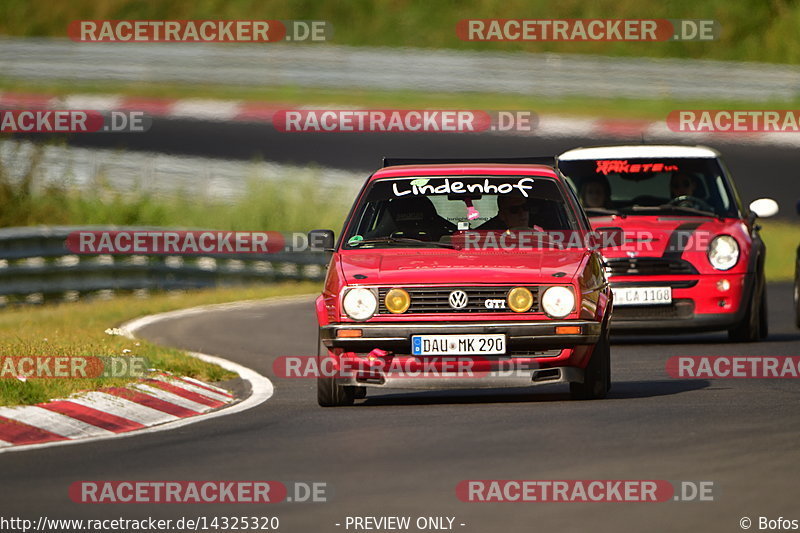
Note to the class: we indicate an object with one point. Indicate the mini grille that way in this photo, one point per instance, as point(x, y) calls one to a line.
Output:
point(648, 266)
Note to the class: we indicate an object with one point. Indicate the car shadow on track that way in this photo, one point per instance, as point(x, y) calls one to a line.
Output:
point(712, 338)
point(623, 390)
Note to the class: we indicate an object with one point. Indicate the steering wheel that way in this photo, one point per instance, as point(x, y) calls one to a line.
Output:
point(690, 201)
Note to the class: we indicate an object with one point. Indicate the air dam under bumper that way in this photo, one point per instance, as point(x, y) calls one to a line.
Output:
point(492, 380)
point(396, 336)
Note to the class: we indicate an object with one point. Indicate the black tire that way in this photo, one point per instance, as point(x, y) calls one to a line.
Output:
point(763, 318)
point(797, 296)
point(752, 325)
point(330, 393)
point(597, 376)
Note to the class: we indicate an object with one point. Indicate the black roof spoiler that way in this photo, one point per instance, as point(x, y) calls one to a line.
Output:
point(549, 160)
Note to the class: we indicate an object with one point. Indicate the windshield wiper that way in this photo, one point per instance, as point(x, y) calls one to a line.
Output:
point(401, 240)
point(603, 211)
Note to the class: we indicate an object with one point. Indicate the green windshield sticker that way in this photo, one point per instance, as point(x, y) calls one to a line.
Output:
point(419, 182)
point(355, 239)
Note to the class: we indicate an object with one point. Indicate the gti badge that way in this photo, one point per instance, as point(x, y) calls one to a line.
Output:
point(458, 299)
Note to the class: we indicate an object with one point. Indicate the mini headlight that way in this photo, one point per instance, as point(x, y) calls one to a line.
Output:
point(397, 301)
point(558, 302)
point(519, 299)
point(360, 304)
point(723, 252)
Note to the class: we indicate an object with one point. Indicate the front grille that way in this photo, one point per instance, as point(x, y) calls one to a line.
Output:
point(648, 266)
point(435, 299)
point(677, 309)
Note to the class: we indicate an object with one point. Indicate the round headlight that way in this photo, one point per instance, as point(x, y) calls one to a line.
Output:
point(397, 301)
point(558, 302)
point(519, 299)
point(360, 304)
point(723, 252)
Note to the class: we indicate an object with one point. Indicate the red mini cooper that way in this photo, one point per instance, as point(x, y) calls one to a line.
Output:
point(449, 276)
point(692, 258)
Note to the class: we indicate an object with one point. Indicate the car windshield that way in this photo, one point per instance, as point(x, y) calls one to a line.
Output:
point(680, 186)
point(434, 211)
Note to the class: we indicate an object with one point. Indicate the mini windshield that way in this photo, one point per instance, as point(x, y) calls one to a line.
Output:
point(430, 211)
point(682, 186)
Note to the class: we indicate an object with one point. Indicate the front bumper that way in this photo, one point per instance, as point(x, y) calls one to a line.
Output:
point(520, 335)
point(697, 306)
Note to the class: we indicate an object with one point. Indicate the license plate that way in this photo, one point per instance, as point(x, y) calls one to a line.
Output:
point(642, 295)
point(479, 344)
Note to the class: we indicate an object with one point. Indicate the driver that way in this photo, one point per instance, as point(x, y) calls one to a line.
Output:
point(682, 184)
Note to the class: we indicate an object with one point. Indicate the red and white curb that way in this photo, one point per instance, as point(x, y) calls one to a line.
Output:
point(245, 111)
point(159, 403)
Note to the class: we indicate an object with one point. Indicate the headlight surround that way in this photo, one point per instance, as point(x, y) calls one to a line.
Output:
point(360, 304)
point(519, 299)
point(558, 302)
point(723, 252)
point(397, 301)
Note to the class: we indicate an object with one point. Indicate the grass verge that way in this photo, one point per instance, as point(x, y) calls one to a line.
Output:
point(78, 329)
point(782, 239)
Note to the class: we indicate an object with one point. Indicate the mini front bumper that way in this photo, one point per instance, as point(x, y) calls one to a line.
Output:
point(520, 335)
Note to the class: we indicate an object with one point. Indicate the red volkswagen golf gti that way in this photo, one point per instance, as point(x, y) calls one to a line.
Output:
point(449, 276)
point(692, 258)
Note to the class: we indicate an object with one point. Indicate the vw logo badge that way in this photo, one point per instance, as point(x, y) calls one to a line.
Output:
point(458, 299)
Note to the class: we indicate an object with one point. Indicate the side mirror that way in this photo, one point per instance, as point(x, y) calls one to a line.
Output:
point(321, 240)
point(764, 207)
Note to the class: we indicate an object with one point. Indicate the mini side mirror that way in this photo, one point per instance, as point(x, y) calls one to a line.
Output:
point(764, 207)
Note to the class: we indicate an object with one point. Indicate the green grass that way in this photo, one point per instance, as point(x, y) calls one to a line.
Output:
point(752, 30)
point(78, 329)
point(782, 239)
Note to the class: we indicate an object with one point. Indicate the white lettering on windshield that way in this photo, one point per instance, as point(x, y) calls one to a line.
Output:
point(458, 187)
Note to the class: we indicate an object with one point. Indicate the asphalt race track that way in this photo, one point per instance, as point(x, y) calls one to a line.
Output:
point(403, 453)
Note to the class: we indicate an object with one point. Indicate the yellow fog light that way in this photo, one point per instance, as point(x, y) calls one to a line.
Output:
point(520, 299)
point(397, 301)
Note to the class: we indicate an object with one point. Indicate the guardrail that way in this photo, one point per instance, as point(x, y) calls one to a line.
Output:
point(344, 67)
point(36, 267)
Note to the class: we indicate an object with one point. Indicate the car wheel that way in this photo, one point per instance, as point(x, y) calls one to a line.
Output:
point(749, 329)
point(597, 377)
point(330, 393)
point(763, 322)
point(797, 296)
